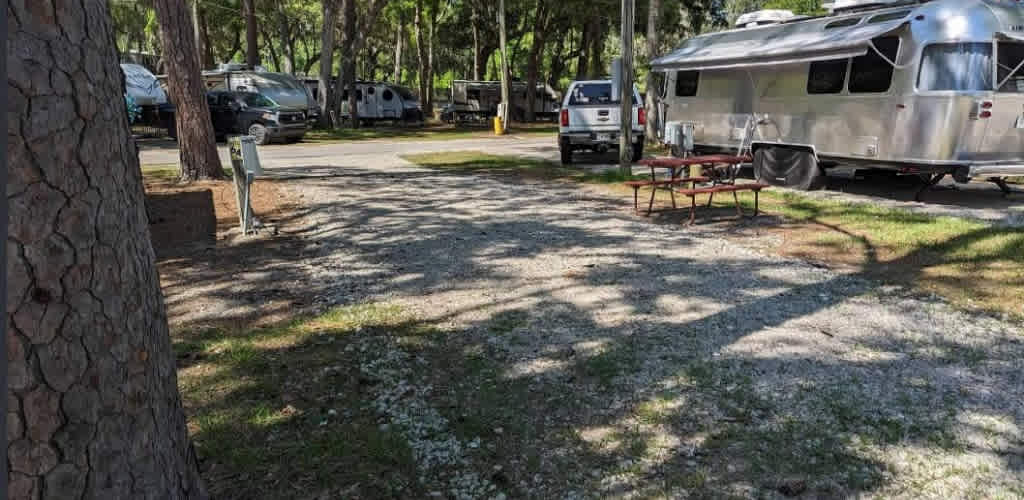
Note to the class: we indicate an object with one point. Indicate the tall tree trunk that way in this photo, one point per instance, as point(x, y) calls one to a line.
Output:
point(421, 52)
point(273, 52)
point(396, 75)
point(596, 49)
point(583, 60)
point(651, 104)
point(428, 108)
point(557, 61)
point(197, 32)
point(252, 48)
point(196, 146)
point(477, 63)
point(323, 83)
point(540, 22)
point(204, 38)
point(93, 403)
point(348, 54)
point(286, 38)
point(506, 84)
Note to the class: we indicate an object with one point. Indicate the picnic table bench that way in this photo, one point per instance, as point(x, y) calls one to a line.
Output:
point(722, 180)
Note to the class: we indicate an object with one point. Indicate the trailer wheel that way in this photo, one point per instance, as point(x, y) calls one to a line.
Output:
point(788, 167)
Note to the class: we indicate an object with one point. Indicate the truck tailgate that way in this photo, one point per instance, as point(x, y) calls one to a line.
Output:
point(594, 118)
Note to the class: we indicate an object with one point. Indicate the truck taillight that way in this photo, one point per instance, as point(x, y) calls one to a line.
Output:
point(641, 116)
point(565, 117)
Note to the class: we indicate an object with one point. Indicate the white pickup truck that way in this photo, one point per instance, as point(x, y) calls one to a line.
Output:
point(590, 119)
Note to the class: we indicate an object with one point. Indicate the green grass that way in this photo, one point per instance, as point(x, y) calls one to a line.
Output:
point(168, 173)
point(430, 132)
point(277, 410)
point(972, 264)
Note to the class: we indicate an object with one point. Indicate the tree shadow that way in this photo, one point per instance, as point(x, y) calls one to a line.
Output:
point(627, 358)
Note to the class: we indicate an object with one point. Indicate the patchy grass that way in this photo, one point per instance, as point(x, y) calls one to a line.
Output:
point(477, 162)
point(971, 264)
point(278, 412)
point(429, 132)
point(168, 173)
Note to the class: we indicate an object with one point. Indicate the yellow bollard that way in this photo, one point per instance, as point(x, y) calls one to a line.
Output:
point(499, 128)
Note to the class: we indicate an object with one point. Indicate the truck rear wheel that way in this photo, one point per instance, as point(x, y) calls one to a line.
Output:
point(788, 167)
point(638, 151)
point(566, 150)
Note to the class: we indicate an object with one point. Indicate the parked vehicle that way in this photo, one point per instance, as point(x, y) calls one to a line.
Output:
point(591, 118)
point(476, 101)
point(927, 89)
point(281, 88)
point(254, 114)
point(378, 101)
point(154, 114)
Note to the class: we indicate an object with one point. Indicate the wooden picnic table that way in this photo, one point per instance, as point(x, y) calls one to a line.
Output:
point(721, 179)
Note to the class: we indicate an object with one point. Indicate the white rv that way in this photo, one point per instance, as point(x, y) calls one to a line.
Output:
point(478, 100)
point(929, 89)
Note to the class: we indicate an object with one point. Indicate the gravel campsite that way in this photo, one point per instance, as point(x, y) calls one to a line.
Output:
point(500, 336)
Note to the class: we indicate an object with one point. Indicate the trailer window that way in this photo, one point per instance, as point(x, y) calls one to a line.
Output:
point(871, 72)
point(826, 77)
point(387, 95)
point(956, 66)
point(1011, 67)
point(473, 94)
point(687, 83)
point(891, 16)
point(842, 23)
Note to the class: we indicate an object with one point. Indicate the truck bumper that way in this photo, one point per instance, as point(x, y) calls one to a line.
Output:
point(996, 170)
point(590, 139)
point(288, 131)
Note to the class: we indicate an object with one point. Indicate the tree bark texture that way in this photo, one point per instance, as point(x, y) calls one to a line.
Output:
point(396, 75)
point(506, 84)
point(540, 27)
point(651, 103)
point(326, 62)
point(286, 38)
point(421, 52)
point(196, 143)
point(252, 45)
point(93, 404)
point(348, 56)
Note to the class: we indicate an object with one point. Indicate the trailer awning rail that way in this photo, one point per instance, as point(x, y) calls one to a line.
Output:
point(775, 44)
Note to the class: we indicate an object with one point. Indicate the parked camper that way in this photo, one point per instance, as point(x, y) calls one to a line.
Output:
point(478, 100)
point(930, 89)
point(155, 112)
point(382, 101)
point(281, 88)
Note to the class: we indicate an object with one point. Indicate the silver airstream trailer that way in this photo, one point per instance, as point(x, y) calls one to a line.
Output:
point(929, 89)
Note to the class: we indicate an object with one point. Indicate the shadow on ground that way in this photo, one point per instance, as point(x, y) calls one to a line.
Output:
point(594, 353)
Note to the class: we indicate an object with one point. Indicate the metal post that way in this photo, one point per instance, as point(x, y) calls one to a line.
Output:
point(626, 89)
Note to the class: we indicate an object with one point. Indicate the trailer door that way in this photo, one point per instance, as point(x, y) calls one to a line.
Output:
point(1006, 128)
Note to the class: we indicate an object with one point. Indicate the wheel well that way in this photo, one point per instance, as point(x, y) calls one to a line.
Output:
point(799, 147)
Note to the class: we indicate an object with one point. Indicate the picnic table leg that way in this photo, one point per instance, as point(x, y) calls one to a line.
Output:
point(654, 189)
point(636, 206)
point(671, 187)
point(739, 211)
point(756, 192)
point(693, 209)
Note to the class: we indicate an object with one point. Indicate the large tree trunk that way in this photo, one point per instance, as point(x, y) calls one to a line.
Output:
point(421, 52)
point(540, 22)
point(252, 48)
point(428, 107)
point(396, 75)
point(557, 61)
point(348, 54)
point(596, 49)
point(197, 32)
point(583, 60)
point(506, 84)
point(477, 63)
point(196, 146)
point(204, 38)
point(286, 38)
point(651, 104)
point(93, 403)
point(326, 62)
